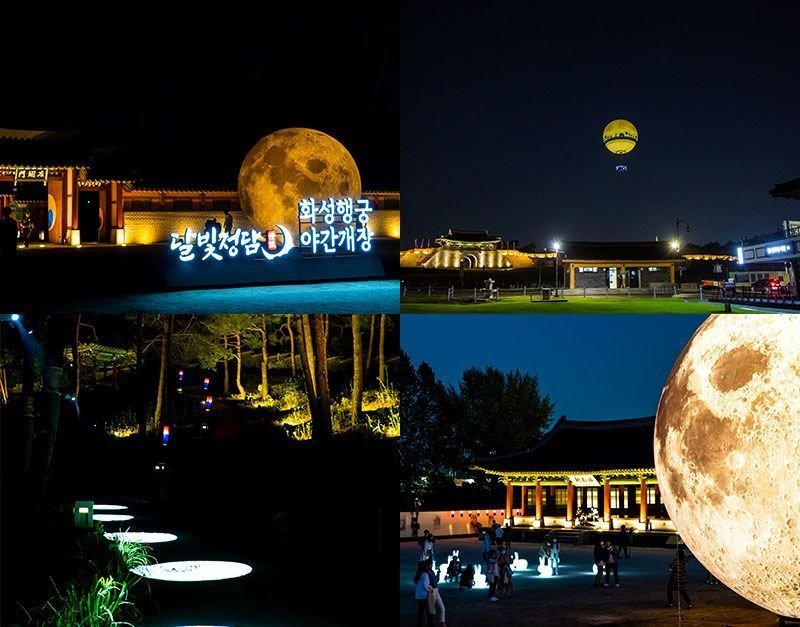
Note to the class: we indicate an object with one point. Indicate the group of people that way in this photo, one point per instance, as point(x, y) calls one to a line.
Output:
point(11, 230)
point(550, 553)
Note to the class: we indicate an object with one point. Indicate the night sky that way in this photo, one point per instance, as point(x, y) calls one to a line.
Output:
point(189, 94)
point(593, 367)
point(503, 113)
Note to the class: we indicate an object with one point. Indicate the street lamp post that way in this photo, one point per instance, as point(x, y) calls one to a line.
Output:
point(556, 246)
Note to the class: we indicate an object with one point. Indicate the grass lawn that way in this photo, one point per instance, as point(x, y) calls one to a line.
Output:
point(573, 305)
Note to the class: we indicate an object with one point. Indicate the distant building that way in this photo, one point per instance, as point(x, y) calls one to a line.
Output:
point(580, 465)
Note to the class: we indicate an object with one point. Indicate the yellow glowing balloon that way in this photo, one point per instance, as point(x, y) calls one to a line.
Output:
point(727, 454)
point(289, 165)
point(620, 136)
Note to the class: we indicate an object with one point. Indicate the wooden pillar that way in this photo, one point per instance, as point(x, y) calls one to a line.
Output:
point(643, 500)
point(523, 501)
point(672, 273)
point(606, 499)
point(71, 206)
point(509, 498)
point(570, 501)
point(572, 271)
point(539, 516)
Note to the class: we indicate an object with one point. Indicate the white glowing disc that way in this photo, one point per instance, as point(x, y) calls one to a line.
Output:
point(112, 517)
point(143, 537)
point(193, 571)
point(108, 508)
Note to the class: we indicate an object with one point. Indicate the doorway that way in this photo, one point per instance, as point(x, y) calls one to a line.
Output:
point(634, 278)
point(612, 278)
point(89, 215)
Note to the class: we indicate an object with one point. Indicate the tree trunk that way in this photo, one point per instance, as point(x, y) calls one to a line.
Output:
point(239, 387)
point(264, 357)
point(76, 359)
point(141, 419)
point(309, 348)
point(321, 423)
point(369, 349)
point(381, 353)
point(226, 381)
point(308, 377)
point(161, 394)
point(291, 343)
point(358, 374)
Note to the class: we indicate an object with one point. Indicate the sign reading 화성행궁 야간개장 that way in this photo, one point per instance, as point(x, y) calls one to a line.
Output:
point(332, 226)
point(335, 226)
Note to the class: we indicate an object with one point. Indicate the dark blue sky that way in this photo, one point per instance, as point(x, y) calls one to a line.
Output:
point(503, 112)
point(593, 367)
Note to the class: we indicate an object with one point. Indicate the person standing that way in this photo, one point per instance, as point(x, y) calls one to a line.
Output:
point(600, 557)
point(623, 542)
point(555, 553)
point(492, 575)
point(498, 536)
point(435, 603)
point(612, 564)
point(26, 228)
point(677, 578)
point(507, 535)
point(8, 234)
point(423, 587)
point(487, 546)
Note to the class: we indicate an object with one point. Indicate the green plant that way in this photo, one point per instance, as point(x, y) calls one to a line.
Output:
point(99, 605)
point(133, 554)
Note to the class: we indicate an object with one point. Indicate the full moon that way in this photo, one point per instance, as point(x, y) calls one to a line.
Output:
point(289, 165)
point(727, 454)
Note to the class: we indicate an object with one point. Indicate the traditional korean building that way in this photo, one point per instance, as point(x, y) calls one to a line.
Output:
point(580, 465)
point(461, 249)
point(81, 193)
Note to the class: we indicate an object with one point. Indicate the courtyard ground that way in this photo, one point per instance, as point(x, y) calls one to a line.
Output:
point(573, 304)
point(570, 598)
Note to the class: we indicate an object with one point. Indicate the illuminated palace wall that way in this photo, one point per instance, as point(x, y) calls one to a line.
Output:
point(441, 258)
point(164, 214)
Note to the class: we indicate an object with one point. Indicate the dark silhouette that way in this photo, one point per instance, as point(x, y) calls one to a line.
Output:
point(8, 233)
point(677, 578)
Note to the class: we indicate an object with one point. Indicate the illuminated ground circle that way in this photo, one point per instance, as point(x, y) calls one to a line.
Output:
point(112, 517)
point(108, 508)
point(143, 537)
point(193, 571)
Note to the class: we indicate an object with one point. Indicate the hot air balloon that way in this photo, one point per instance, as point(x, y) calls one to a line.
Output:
point(620, 137)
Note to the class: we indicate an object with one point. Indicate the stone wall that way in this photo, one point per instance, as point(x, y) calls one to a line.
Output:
point(148, 227)
point(591, 279)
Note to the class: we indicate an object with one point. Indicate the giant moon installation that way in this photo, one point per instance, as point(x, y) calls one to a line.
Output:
point(727, 454)
point(289, 165)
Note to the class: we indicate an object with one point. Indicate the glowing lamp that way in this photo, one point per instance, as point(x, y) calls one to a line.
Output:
point(142, 537)
point(452, 514)
point(14, 317)
point(594, 569)
point(180, 375)
point(727, 455)
point(113, 517)
point(206, 382)
point(545, 570)
point(479, 578)
point(675, 244)
point(193, 571)
point(557, 246)
point(620, 136)
point(109, 508)
point(82, 512)
point(165, 435)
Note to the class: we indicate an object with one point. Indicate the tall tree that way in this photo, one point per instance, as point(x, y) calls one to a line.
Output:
point(358, 374)
point(306, 361)
point(139, 401)
point(368, 363)
point(263, 331)
point(499, 412)
point(76, 357)
point(226, 377)
point(167, 326)
point(382, 351)
point(291, 344)
point(321, 423)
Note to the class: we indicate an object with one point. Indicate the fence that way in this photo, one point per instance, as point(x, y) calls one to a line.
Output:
point(448, 293)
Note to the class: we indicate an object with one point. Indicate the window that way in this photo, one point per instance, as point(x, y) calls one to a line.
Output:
point(616, 501)
point(182, 205)
point(221, 204)
point(652, 269)
point(530, 497)
point(140, 205)
point(581, 269)
point(561, 497)
point(591, 497)
point(651, 496)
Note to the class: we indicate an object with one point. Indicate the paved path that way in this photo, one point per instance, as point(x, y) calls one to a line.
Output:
point(569, 599)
